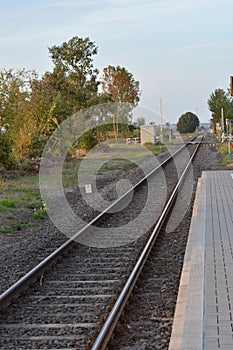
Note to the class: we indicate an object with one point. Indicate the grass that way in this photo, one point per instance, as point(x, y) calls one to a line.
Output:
point(157, 149)
point(34, 205)
point(20, 190)
point(23, 193)
point(6, 204)
point(70, 174)
point(117, 164)
point(16, 226)
point(118, 157)
point(224, 158)
point(40, 213)
point(17, 195)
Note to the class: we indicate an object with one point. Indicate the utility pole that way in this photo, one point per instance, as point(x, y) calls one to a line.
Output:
point(222, 120)
point(161, 120)
point(161, 116)
point(229, 135)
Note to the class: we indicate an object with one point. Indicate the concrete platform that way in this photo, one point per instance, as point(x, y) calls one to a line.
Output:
point(204, 311)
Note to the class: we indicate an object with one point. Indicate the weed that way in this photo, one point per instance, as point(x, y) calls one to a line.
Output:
point(16, 226)
point(40, 212)
point(5, 229)
point(157, 148)
point(117, 166)
point(5, 203)
point(223, 156)
point(34, 205)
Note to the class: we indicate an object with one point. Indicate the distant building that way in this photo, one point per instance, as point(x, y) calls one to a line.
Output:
point(148, 134)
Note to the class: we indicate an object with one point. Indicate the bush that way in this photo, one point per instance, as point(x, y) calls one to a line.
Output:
point(146, 144)
point(87, 141)
point(5, 151)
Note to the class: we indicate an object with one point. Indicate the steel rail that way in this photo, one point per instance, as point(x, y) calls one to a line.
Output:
point(14, 291)
point(111, 321)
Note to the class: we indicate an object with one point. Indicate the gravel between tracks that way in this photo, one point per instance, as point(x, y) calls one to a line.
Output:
point(31, 245)
point(148, 318)
point(21, 250)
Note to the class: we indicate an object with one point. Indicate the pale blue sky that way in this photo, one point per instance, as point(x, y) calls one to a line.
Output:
point(179, 50)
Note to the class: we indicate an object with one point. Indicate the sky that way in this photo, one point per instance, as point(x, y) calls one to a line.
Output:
point(179, 50)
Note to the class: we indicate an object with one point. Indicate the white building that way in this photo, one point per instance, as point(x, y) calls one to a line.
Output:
point(148, 134)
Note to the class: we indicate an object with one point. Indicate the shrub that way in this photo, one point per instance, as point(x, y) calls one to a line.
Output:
point(87, 141)
point(5, 151)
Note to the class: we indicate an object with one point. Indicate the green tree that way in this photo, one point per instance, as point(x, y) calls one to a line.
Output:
point(28, 113)
point(13, 93)
point(74, 74)
point(31, 108)
point(5, 151)
point(187, 122)
point(44, 106)
point(120, 85)
point(15, 114)
point(217, 101)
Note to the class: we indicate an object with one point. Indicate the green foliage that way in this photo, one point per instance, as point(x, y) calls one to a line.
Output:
point(4, 229)
point(117, 164)
point(34, 205)
point(155, 149)
point(217, 101)
point(5, 151)
point(87, 141)
point(74, 75)
point(120, 85)
point(19, 192)
point(224, 158)
point(148, 144)
point(17, 195)
point(187, 123)
point(76, 55)
point(40, 213)
point(32, 107)
point(16, 226)
point(5, 204)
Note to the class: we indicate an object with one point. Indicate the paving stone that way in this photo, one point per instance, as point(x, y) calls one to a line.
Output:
point(205, 321)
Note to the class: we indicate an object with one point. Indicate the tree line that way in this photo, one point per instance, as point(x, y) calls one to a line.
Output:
point(32, 107)
point(220, 104)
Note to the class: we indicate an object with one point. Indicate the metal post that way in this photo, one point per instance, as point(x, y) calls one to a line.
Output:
point(222, 120)
point(170, 135)
point(161, 121)
point(229, 137)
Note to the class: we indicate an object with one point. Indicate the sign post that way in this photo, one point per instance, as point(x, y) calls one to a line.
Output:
point(229, 143)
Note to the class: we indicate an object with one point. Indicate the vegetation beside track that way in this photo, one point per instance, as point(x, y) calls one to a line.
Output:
point(20, 201)
point(19, 197)
point(224, 157)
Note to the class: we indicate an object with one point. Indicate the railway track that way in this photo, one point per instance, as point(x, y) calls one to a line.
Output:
point(65, 307)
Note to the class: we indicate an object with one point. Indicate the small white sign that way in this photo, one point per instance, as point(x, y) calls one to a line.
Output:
point(88, 188)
